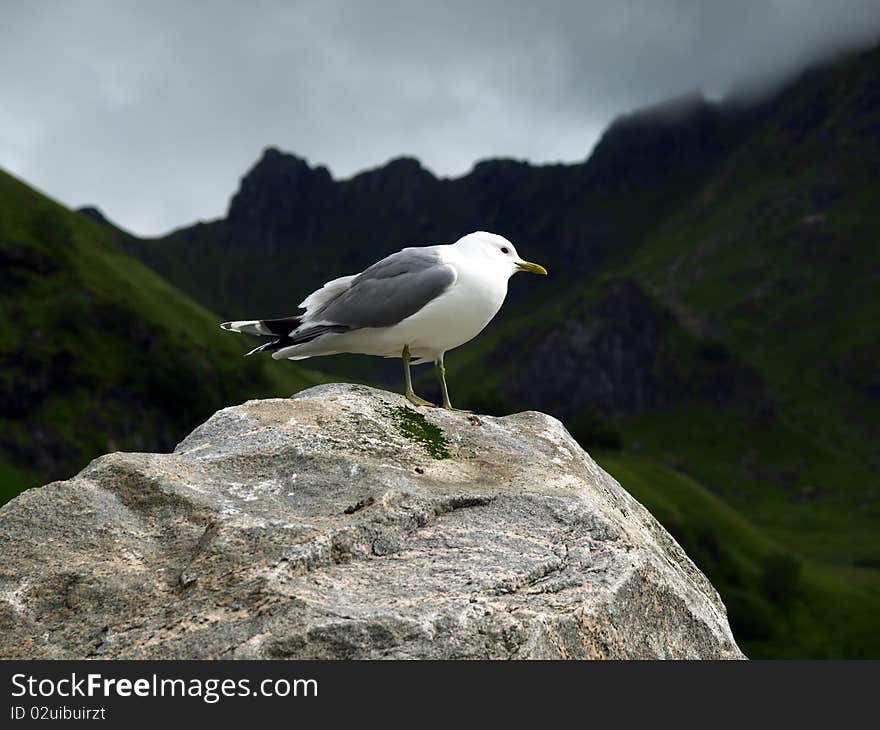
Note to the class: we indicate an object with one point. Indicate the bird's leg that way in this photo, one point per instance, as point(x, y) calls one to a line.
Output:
point(441, 374)
point(410, 395)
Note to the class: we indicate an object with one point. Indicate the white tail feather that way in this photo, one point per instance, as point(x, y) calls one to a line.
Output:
point(246, 326)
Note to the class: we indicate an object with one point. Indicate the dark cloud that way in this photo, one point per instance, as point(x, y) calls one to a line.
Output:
point(153, 110)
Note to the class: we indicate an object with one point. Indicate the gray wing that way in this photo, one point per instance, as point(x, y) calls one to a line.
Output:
point(390, 290)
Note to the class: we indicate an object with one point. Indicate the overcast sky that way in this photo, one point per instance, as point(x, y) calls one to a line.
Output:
point(153, 110)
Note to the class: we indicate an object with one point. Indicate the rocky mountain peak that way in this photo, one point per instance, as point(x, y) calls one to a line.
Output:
point(279, 200)
point(682, 133)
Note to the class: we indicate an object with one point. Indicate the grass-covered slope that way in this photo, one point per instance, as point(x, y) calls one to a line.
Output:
point(780, 603)
point(738, 345)
point(97, 352)
point(778, 257)
point(782, 520)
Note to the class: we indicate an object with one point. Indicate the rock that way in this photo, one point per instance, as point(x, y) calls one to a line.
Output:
point(342, 523)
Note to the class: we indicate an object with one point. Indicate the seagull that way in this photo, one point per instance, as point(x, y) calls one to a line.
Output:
point(416, 304)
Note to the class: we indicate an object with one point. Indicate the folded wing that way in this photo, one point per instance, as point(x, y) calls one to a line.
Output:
point(389, 291)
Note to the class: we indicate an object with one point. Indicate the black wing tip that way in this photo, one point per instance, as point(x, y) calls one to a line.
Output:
point(282, 326)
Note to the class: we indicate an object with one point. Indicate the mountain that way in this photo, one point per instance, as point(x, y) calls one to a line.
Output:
point(738, 344)
point(97, 352)
point(289, 214)
point(292, 217)
point(709, 329)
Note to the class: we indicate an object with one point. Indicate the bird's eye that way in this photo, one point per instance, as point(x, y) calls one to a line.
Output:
point(505, 250)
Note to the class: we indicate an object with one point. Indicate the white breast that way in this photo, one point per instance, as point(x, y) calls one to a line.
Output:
point(460, 313)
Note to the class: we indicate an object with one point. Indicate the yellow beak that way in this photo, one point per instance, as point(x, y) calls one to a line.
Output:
point(531, 268)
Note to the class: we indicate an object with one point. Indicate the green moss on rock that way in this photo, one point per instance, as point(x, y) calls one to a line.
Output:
point(415, 427)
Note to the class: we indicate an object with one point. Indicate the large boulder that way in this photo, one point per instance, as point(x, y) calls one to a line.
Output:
point(343, 523)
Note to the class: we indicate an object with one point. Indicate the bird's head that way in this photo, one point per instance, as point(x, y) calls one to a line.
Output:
point(496, 252)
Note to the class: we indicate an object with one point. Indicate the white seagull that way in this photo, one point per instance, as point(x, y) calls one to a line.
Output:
point(415, 304)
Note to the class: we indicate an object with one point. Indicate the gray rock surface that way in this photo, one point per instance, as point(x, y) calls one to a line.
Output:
point(341, 523)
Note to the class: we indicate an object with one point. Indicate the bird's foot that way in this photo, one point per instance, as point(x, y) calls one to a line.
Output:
point(450, 407)
point(416, 401)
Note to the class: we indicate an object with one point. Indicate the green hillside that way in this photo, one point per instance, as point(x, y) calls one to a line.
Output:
point(780, 604)
point(778, 257)
point(747, 323)
point(783, 523)
point(98, 353)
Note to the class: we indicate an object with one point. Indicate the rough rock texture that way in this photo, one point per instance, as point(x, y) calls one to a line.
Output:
point(342, 524)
